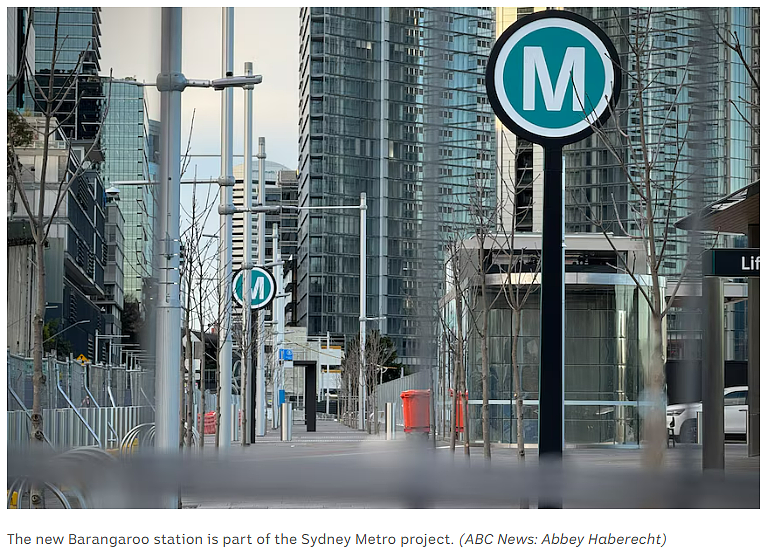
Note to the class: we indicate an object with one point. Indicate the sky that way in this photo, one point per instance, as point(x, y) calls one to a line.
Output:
point(268, 37)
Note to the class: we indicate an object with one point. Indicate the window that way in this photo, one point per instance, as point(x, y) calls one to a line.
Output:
point(736, 398)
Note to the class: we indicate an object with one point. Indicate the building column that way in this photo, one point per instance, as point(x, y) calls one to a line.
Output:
point(754, 377)
point(713, 374)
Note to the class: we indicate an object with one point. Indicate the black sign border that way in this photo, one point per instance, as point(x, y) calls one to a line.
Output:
point(491, 86)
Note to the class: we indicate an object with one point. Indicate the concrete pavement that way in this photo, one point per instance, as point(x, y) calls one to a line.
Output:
point(335, 446)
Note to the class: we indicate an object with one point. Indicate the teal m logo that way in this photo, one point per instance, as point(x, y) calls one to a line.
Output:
point(552, 76)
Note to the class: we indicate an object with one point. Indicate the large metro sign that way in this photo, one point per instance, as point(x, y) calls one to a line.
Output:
point(552, 76)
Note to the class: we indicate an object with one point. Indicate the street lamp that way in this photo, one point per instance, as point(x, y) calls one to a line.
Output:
point(66, 329)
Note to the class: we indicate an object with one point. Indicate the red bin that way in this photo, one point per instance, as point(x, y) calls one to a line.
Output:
point(416, 411)
point(459, 410)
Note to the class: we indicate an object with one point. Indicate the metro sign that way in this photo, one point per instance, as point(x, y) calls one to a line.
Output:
point(263, 288)
point(552, 76)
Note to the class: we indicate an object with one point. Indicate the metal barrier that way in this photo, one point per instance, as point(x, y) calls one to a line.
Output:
point(286, 421)
point(67, 428)
point(389, 421)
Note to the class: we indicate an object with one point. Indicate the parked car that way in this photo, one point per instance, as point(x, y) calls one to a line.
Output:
point(685, 416)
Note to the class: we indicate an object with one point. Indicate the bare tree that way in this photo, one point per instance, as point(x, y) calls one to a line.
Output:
point(649, 151)
point(455, 341)
point(195, 258)
point(41, 193)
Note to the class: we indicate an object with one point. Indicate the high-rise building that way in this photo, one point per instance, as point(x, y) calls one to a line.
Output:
point(75, 253)
point(20, 56)
point(129, 141)
point(79, 39)
point(74, 34)
point(697, 97)
point(520, 163)
point(113, 299)
point(392, 104)
point(280, 190)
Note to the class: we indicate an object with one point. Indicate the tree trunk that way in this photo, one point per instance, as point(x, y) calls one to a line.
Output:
point(36, 492)
point(201, 385)
point(484, 373)
point(655, 417)
point(517, 389)
point(246, 359)
point(461, 385)
point(524, 503)
point(189, 368)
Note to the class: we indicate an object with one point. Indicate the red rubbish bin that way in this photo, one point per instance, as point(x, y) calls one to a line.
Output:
point(416, 411)
point(459, 410)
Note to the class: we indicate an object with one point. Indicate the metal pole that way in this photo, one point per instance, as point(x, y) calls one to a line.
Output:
point(246, 365)
point(552, 317)
point(389, 421)
point(326, 396)
point(96, 349)
point(713, 374)
point(280, 310)
point(362, 318)
point(168, 301)
point(278, 316)
point(260, 383)
point(224, 241)
point(754, 355)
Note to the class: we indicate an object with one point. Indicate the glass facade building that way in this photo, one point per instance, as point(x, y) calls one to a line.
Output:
point(129, 145)
point(79, 34)
point(607, 343)
point(697, 97)
point(393, 104)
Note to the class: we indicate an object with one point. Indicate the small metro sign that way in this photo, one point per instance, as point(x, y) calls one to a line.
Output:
point(263, 288)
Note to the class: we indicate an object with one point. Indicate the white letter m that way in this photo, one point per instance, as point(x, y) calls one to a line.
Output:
point(535, 64)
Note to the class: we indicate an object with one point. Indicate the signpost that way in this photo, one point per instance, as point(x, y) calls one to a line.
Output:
point(263, 288)
point(551, 77)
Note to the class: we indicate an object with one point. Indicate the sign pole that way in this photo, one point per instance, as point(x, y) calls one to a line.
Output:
point(552, 316)
point(551, 78)
point(552, 324)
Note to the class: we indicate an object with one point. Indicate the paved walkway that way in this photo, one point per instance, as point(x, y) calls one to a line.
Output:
point(335, 452)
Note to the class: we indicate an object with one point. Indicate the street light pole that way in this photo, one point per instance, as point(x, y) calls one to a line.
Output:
point(168, 303)
point(224, 242)
point(278, 317)
point(246, 343)
point(260, 384)
point(362, 321)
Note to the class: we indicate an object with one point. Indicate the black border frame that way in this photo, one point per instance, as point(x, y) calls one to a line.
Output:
point(491, 86)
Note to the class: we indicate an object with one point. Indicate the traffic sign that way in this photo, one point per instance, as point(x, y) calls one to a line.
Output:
point(731, 262)
point(286, 354)
point(263, 288)
point(82, 359)
point(551, 76)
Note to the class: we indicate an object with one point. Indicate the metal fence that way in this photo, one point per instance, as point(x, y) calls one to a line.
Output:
point(82, 404)
point(67, 428)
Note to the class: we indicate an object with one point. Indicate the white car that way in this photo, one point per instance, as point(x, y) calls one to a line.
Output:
point(685, 416)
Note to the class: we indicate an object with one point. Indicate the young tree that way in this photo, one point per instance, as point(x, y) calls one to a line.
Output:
point(655, 138)
point(41, 193)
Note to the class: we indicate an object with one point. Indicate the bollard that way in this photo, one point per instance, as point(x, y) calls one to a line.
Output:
point(389, 421)
point(286, 421)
